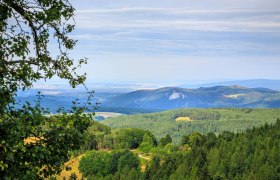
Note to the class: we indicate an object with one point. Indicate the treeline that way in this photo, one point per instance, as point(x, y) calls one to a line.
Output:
point(253, 154)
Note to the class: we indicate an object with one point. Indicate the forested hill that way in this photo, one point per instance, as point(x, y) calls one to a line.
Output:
point(209, 97)
point(185, 121)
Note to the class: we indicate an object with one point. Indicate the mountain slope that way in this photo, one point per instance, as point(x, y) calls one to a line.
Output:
point(209, 97)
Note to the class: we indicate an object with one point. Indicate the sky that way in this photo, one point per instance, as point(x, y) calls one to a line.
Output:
point(178, 40)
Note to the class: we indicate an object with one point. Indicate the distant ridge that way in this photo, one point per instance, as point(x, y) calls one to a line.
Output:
point(252, 83)
point(145, 101)
point(203, 97)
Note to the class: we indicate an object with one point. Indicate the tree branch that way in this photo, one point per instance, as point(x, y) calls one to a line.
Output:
point(22, 12)
point(21, 61)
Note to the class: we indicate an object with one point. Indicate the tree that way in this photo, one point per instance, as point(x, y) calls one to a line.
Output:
point(165, 140)
point(152, 168)
point(132, 138)
point(185, 139)
point(129, 160)
point(27, 27)
point(94, 162)
point(147, 143)
point(25, 57)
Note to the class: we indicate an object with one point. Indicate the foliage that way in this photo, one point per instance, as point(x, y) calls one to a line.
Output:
point(94, 162)
point(132, 138)
point(152, 167)
point(54, 137)
point(99, 136)
point(27, 27)
point(95, 135)
point(128, 160)
point(147, 143)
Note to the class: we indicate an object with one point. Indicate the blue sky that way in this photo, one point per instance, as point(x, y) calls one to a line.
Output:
point(178, 40)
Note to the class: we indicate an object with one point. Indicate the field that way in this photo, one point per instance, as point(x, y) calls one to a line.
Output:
point(183, 119)
point(204, 121)
point(74, 165)
point(99, 116)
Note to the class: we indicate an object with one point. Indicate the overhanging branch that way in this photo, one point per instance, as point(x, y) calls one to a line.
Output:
point(23, 13)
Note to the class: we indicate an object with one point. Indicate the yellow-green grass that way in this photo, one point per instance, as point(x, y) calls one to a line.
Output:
point(183, 119)
point(74, 165)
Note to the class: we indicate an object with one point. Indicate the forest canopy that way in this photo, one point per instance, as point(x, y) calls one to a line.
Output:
point(253, 154)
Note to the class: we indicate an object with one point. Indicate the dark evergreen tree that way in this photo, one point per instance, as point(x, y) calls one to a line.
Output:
point(165, 140)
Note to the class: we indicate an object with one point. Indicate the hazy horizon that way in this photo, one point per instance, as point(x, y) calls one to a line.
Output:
point(133, 86)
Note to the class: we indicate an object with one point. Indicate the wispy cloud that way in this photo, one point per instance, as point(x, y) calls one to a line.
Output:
point(158, 40)
point(173, 19)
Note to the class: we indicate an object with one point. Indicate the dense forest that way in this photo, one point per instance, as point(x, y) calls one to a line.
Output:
point(252, 154)
point(201, 120)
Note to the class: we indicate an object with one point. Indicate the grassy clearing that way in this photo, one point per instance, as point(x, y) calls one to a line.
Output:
point(183, 119)
point(74, 165)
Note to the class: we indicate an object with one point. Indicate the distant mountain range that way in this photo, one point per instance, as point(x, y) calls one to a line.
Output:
point(252, 83)
point(206, 97)
point(249, 93)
